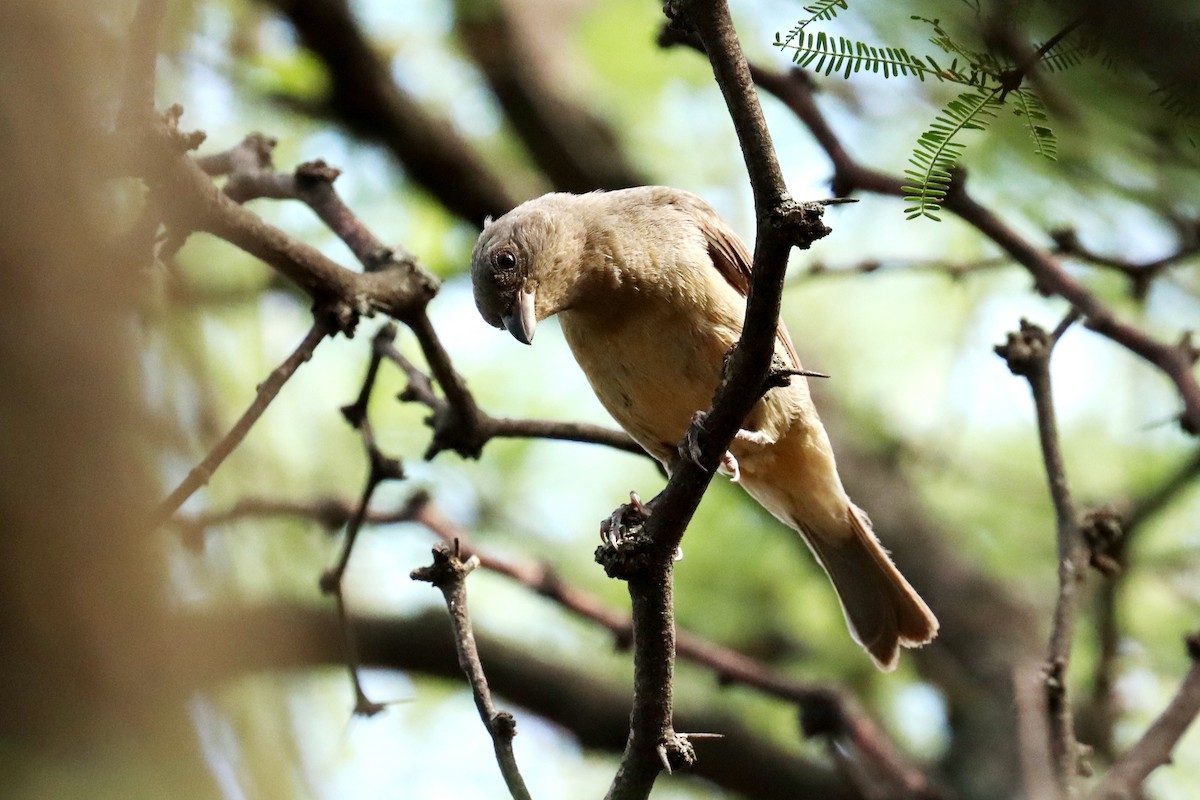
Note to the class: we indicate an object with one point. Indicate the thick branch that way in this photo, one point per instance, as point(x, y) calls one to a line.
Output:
point(577, 150)
point(192, 203)
point(744, 763)
point(365, 98)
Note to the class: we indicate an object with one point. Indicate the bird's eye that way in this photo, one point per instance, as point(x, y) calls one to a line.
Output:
point(505, 260)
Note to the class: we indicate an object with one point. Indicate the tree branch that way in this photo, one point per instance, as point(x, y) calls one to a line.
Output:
point(1153, 750)
point(192, 203)
point(782, 224)
point(1028, 355)
point(1176, 361)
point(577, 150)
point(365, 98)
point(267, 390)
point(744, 763)
point(449, 573)
point(381, 468)
point(1114, 546)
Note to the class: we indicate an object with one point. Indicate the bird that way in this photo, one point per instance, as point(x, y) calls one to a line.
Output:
point(649, 285)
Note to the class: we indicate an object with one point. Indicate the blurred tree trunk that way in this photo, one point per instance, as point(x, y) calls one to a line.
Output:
point(83, 627)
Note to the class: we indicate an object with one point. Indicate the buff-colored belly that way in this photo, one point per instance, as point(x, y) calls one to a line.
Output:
point(653, 371)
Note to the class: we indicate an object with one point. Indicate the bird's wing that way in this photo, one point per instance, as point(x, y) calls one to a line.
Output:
point(732, 259)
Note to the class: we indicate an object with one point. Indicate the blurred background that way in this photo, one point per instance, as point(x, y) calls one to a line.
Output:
point(151, 663)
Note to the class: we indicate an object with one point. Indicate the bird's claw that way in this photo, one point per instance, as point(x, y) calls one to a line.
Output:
point(690, 447)
point(730, 466)
point(624, 518)
point(758, 438)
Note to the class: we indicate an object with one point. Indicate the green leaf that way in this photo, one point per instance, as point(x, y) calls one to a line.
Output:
point(1030, 109)
point(937, 153)
point(823, 54)
point(822, 11)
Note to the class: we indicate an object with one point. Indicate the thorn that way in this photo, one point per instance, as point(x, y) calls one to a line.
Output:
point(702, 735)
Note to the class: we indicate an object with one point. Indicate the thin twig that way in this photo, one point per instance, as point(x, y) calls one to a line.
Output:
point(420, 390)
point(1108, 599)
point(507, 428)
point(448, 573)
point(1028, 354)
point(1012, 79)
point(331, 581)
point(1141, 274)
point(1153, 750)
point(381, 469)
point(267, 390)
point(363, 705)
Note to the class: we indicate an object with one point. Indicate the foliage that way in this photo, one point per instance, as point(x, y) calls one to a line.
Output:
point(992, 78)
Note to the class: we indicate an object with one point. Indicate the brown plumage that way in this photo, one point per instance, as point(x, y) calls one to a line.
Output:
point(650, 286)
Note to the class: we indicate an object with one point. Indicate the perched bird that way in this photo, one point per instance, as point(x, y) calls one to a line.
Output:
point(650, 285)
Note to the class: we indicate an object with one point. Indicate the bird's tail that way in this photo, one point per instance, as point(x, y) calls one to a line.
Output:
point(883, 611)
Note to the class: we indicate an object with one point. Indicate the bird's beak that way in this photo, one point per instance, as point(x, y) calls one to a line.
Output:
point(521, 321)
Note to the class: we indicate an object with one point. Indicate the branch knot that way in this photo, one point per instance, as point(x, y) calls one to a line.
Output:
point(1103, 533)
point(448, 567)
point(1026, 351)
point(802, 223)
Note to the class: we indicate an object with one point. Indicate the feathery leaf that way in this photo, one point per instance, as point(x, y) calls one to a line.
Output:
point(937, 153)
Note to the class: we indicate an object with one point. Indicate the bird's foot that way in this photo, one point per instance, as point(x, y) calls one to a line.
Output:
point(729, 466)
point(754, 437)
point(625, 549)
point(626, 521)
point(690, 447)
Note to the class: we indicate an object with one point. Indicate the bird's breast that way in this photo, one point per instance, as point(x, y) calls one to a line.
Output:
point(652, 366)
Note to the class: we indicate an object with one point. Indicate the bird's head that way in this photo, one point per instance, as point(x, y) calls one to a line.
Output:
point(513, 268)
